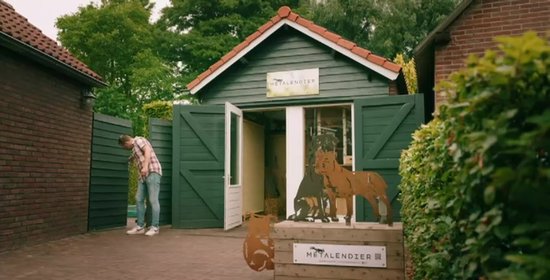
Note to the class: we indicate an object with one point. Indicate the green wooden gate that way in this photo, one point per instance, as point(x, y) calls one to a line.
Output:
point(160, 136)
point(108, 202)
point(383, 128)
point(198, 166)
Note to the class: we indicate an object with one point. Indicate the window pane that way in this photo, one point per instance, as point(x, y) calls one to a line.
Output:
point(234, 172)
point(329, 128)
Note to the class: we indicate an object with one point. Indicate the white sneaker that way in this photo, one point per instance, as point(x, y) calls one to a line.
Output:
point(136, 230)
point(152, 231)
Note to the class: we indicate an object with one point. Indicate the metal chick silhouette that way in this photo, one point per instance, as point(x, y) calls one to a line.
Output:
point(258, 248)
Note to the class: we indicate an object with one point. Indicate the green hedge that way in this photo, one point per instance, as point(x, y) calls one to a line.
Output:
point(476, 180)
point(157, 109)
point(132, 183)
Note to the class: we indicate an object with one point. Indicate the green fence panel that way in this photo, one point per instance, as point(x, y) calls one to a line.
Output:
point(108, 200)
point(160, 136)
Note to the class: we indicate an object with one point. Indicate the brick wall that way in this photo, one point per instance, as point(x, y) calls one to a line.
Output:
point(474, 30)
point(44, 154)
point(393, 88)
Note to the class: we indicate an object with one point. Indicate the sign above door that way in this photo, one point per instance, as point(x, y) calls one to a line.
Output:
point(292, 83)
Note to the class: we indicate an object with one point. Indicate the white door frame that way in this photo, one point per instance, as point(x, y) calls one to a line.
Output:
point(295, 150)
point(233, 192)
point(295, 145)
point(295, 159)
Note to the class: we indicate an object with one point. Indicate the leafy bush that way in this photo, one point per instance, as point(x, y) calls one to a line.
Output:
point(157, 109)
point(409, 71)
point(423, 184)
point(476, 180)
point(133, 178)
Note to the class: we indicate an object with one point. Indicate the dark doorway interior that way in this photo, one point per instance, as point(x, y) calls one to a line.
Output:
point(274, 160)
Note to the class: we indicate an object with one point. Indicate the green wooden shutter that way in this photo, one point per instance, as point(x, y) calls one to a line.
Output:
point(160, 136)
point(198, 166)
point(108, 201)
point(383, 128)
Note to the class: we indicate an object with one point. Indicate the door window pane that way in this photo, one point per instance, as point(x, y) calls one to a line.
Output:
point(331, 128)
point(234, 172)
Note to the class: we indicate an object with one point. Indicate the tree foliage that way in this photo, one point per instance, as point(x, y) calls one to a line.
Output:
point(384, 27)
point(354, 20)
point(209, 29)
point(475, 180)
point(117, 41)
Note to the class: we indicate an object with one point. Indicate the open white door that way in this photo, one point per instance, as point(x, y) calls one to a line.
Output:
point(233, 189)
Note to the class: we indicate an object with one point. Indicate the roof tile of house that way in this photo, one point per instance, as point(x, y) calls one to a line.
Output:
point(286, 13)
point(17, 27)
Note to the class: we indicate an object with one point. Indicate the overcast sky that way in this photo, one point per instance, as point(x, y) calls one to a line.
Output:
point(43, 13)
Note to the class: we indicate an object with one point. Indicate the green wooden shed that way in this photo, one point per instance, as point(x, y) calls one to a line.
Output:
point(262, 103)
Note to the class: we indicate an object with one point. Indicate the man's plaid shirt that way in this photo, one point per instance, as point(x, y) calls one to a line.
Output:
point(139, 155)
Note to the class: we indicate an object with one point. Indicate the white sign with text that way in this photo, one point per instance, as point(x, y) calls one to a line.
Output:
point(340, 255)
point(290, 83)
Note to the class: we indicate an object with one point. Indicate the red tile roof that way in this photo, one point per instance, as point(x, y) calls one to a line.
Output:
point(286, 13)
point(17, 27)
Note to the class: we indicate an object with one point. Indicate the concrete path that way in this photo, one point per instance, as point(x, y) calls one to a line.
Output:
point(173, 254)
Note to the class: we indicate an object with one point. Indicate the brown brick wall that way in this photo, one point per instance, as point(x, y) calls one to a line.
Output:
point(393, 88)
point(44, 154)
point(474, 30)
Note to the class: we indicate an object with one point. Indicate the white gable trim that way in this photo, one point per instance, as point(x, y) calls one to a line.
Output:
point(361, 60)
point(237, 56)
point(377, 68)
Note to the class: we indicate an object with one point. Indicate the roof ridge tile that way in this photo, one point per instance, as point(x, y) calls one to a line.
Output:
point(392, 66)
point(253, 36)
point(317, 29)
point(304, 22)
point(229, 55)
point(216, 65)
point(293, 17)
point(346, 44)
point(241, 46)
point(378, 60)
point(333, 37)
point(284, 11)
point(361, 52)
point(275, 19)
point(204, 74)
point(265, 26)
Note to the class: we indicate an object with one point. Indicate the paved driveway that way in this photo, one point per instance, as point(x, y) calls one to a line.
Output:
point(174, 254)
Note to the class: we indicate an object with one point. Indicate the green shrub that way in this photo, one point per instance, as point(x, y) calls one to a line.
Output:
point(156, 109)
point(423, 183)
point(476, 181)
point(409, 71)
point(133, 178)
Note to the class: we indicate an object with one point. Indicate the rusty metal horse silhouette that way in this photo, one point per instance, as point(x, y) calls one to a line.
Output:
point(340, 182)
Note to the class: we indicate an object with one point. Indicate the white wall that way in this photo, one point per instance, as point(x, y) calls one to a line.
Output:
point(295, 144)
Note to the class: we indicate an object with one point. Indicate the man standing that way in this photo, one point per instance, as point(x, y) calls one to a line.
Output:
point(150, 172)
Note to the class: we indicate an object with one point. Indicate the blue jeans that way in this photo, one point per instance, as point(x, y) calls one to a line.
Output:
point(151, 185)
